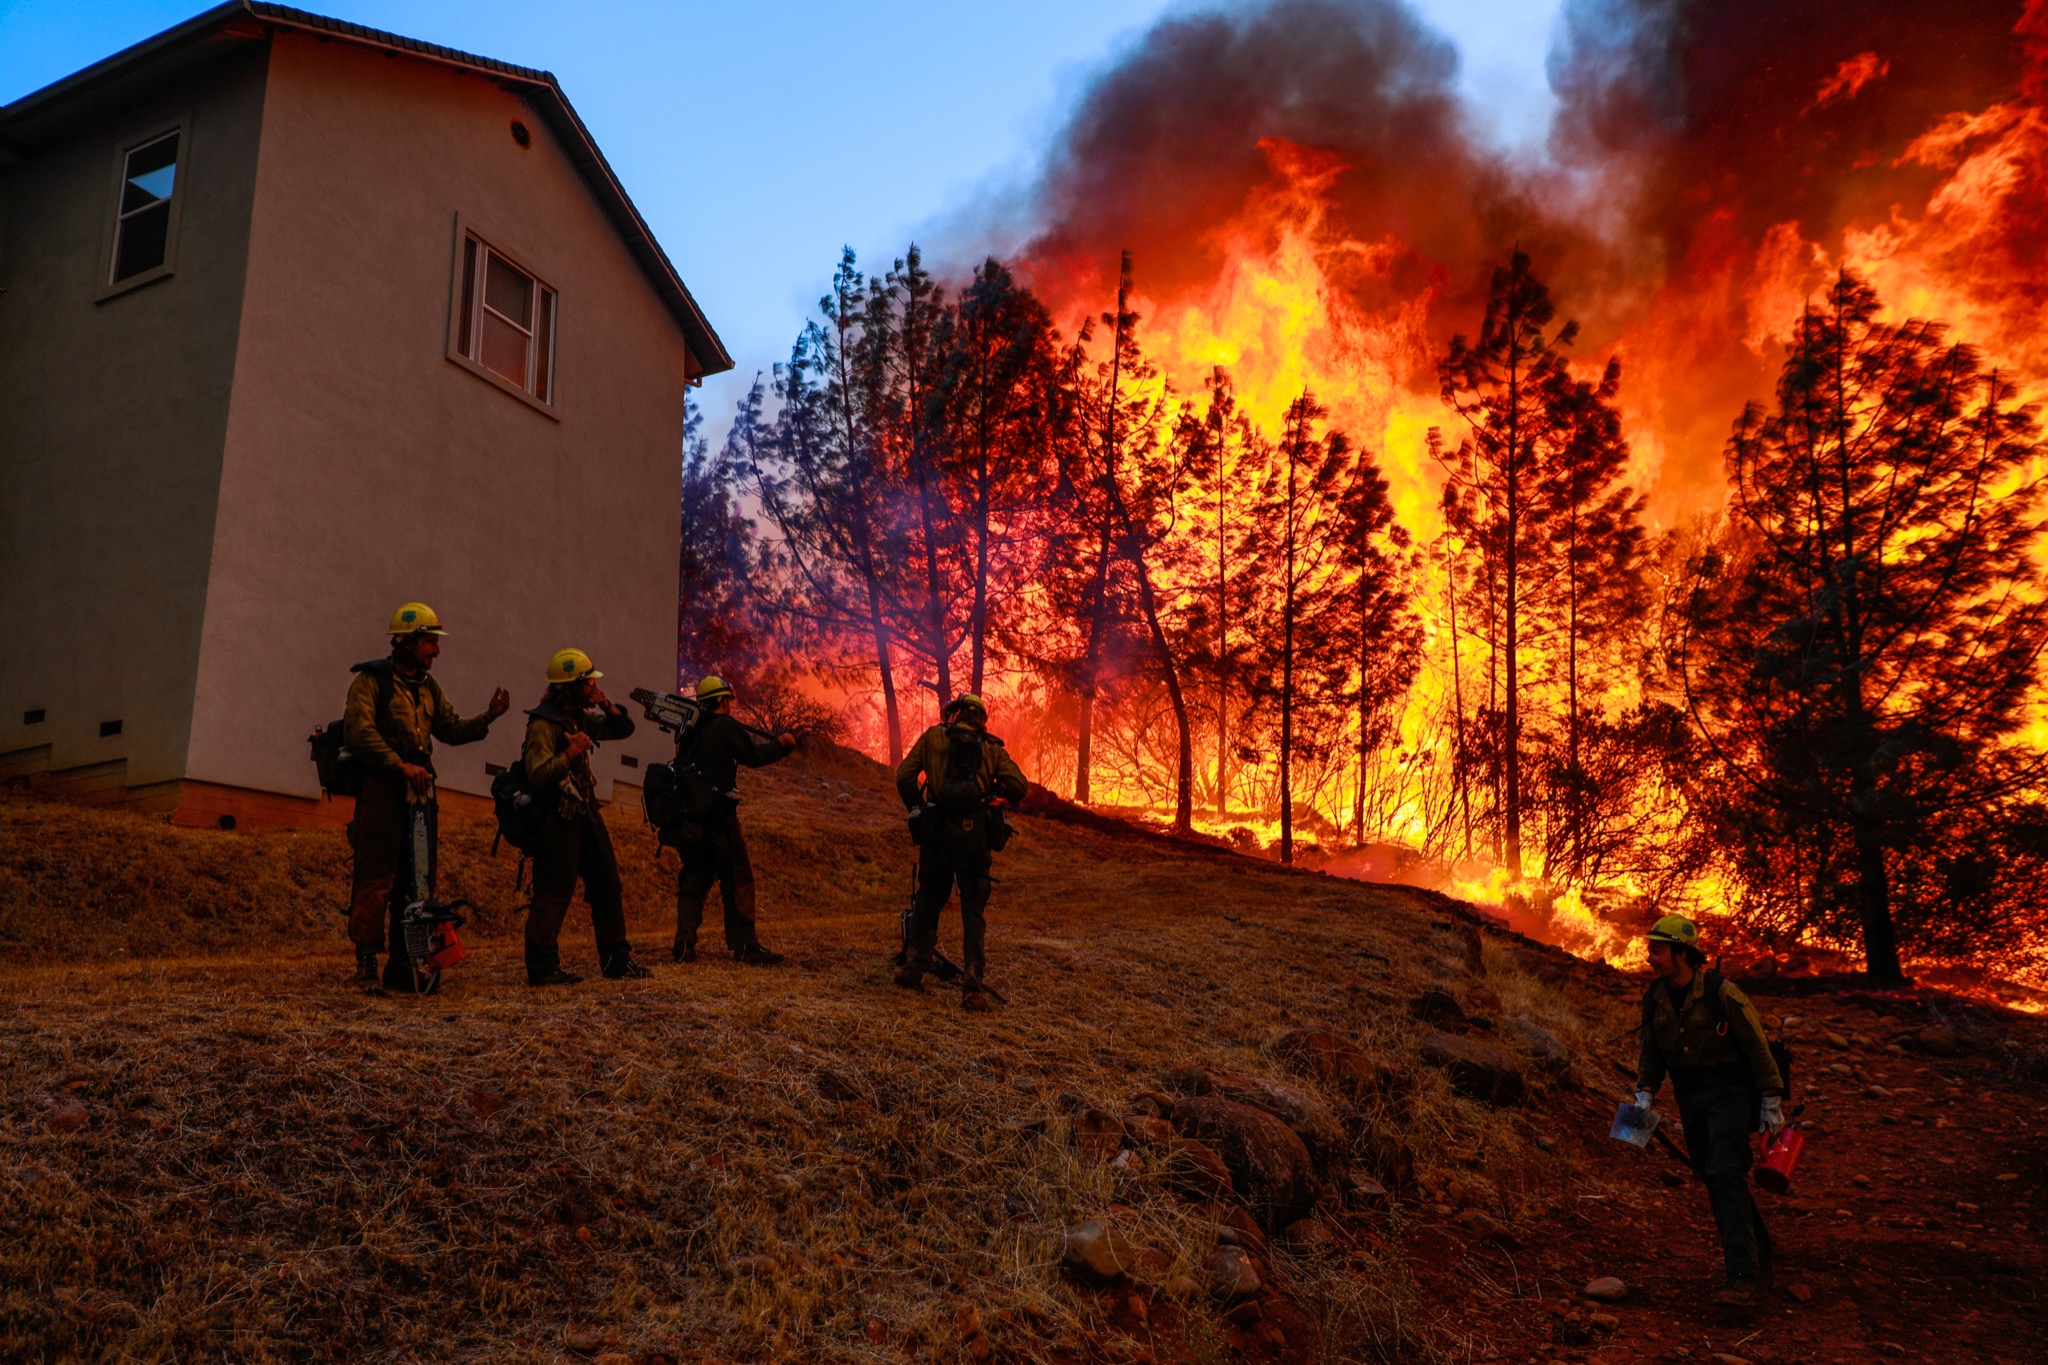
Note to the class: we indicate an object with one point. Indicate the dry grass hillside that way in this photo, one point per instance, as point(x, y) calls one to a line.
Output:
point(212, 1149)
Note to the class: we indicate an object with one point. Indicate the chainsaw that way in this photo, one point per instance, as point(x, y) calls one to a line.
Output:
point(426, 925)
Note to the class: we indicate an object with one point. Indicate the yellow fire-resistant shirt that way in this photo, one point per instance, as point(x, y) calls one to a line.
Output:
point(414, 714)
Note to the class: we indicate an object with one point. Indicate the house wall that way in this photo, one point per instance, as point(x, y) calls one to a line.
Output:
point(113, 415)
point(363, 468)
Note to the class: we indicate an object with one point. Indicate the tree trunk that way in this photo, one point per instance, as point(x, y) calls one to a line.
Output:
point(979, 620)
point(1461, 775)
point(1091, 661)
point(1511, 661)
point(1287, 666)
point(1184, 782)
point(1873, 906)
point(1222, 647)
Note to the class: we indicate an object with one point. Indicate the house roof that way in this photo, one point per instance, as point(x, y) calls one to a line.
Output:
point(38, 118)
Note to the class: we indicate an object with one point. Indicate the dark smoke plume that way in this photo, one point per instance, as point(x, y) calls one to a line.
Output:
point(1171, 143)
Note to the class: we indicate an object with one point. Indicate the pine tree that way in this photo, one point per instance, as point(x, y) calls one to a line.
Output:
point(1378, 636)
point(1498, 385)
point(824, 483)
point(997, 404)
point(1225, 459)
point(1302, 525)
point(1597, 596)
point(715, 626)
point(1861, 649)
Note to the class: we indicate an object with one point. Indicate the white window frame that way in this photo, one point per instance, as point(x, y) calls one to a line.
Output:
point(466, 309)
point(106, 286)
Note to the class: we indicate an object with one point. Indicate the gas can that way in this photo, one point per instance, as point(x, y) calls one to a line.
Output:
point(1781, 1154)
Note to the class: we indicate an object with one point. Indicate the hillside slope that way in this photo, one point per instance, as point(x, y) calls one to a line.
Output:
point(212, 1149)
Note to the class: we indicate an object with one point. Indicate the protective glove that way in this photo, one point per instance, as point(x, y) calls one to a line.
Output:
point(1774, 1114)
point(1643, 1098)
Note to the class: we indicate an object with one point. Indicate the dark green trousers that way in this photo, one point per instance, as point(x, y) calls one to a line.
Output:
point(1717, 1107)
point(721, 857)
point(570, 848)
point(936, 875)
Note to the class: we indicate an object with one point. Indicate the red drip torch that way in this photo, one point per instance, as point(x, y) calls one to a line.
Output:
point(1781, 1154)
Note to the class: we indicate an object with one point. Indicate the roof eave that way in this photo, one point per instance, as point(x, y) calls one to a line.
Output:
point(706, 349)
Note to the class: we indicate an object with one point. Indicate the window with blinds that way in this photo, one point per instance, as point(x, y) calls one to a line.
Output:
point(507, 322)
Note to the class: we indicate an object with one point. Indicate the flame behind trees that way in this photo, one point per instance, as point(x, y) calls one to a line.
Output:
point(1861, 648)
point(1831, 726)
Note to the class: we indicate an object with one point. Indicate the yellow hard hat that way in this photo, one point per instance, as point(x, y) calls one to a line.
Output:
point(712, 688)
point(415, 618)
point(968, 701)
point(571, 665)
point(1676, 930)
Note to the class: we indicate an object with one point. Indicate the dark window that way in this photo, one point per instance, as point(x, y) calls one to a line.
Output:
point(109, 728)
point(142, 233)
point(34, 717)
point(627, 760)
point(508, 320)
point(493, 769)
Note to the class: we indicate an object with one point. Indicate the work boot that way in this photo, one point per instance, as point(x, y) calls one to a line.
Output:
point(685, 950)
point(558, 977)
point(755, 955)
point(1738, 1294)
point(366, 967)
point(625, 969)
point(975, 1002)
point(910, 976)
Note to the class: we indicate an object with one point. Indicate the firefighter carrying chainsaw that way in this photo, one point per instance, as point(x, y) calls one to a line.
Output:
point(955, 782)
point(700, 817)
point(383, 754)
point(1702, 1031)
point(571, 840)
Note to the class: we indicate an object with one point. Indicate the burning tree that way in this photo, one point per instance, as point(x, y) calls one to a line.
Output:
point(1861, 646)
point(823, 477)
point(1505, 385)
point(715, 626)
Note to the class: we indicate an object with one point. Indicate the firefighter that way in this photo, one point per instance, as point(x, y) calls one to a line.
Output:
point(963, 769)
point(395, 712)
point(1703, 1032)
point(718, 744)
point(573, 841)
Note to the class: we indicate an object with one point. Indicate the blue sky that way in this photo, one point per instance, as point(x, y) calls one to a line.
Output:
point(758, 138)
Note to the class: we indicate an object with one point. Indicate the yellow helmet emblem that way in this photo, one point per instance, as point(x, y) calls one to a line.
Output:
point(415, 618)
point(712, 688)
point(1676, 930)
point(571, 665)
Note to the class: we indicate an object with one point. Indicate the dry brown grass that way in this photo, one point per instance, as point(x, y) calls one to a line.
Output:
point(277, 1168)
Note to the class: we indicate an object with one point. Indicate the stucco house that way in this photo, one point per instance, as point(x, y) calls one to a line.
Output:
point(300, 321)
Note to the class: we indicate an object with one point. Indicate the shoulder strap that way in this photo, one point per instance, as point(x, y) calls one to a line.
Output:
point(1717, 1009)
point(549, 713)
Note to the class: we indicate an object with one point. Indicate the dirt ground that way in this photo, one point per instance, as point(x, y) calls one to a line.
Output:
point(211, 1148)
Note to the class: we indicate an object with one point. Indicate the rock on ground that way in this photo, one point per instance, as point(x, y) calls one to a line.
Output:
point(1551, 1054)
point(1479, 1070)
point(1333, 1060)
point(1096, 1249)
point(1269, 1165)
point(1231, 1275)
point(1311, 1119)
